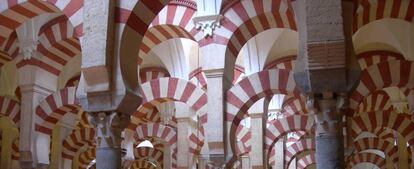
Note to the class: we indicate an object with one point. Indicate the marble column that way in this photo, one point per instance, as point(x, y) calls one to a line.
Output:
point(329, 134)
point(245, 161)
point(183, 131)
point(109, 126)
point(256, 127)
point(279, 157)
point(167, 159)
point(32, 94)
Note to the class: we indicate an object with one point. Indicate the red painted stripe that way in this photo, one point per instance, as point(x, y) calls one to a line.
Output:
point(171, 11)
point(188, 91)
point(8, 23)
point(154, 6)
point(250, 27)
point(410, 12)
point(121, 15)
point(172, 87)
point(78, 30)
point(155, 88)
point(380, 9)
point(63, 49)
point(186, 18)
point(72, 7)
point(11, 3)
point(43, 6)
point(50, 55)
point(63, 30)
point(241, 11)
point(50, 36)
point(396, 4)
point(385, 75)
point(11, 40)
point(164, 32)
point(366, 8)
point(43, 129)
point(23, 11)
point(137, 24)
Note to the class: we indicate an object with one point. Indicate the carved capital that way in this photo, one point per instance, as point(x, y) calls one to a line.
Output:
point(207, 24)
point(109, 126)
point(27, 47)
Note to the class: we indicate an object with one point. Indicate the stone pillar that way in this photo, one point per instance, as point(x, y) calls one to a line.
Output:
point(109, 126)
point(183, 131)
point(32, 94)
point(279, 157)
point(329, 134)
point(167, 159)
point(9, 134)
point(256, 127)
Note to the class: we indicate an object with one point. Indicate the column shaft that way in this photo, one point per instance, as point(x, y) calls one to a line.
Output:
point(279, 157)
point(183, 127)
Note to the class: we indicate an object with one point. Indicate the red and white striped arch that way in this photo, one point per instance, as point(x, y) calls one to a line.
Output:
point(157, 130)
point(15, 150)
point(367, 11)
point(198, 77)
point(76, 140)
point(280, 127)
point(10, 49)
point(197, 140)
point(173, 21)
point(298, 147)
point(245, 19)
point(367, 59)
point(396, 73)
point(243, 136)
point(142, 163)
point(384, 119)
point(10, 109)
point(377, 101)
point(74, 81)
point(294, 105)
point(367, 158)
point(150, 73)
point(387, 147)
point(252, 88)
point(86, 157)
point(145, 152)
point(164, 89)
point(306, 161)
point(53, 107)
point(287, 62)
point(238, 73)
point(132, 19)
point(142, 116)
point(17, 13)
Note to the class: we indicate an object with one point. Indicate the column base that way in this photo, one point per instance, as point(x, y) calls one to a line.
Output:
point(108, 158)
point(26, 161)
point(42, 166)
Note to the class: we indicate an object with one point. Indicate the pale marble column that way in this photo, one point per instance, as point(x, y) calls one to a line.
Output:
point(32, 94)
point(279, 157)
point(167, 159)
point(256, 127)
point(183, 131)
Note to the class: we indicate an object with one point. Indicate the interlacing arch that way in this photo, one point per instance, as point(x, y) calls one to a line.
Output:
point(367, 158)
point(15, 14)
point(243, 136)
point(150, 73)
point(366, 11)
point(367, 59)
point(286, 62)
point(144, 163)
point(245, 19)
point(164, 133)
point(281, 127)
point(53, 107)
point(76, 140)
point(252, 88)
point(58, 44)
point(146, 152)
point(306, 161)
point(384, 119)
point(196, 140)
point(294, 105)
point(10, 49)
point(198, 77)
point(377, 101)
point(10, 109)
point(387, 147)
point(297, 148)
point(173, 21)
point(163, 89)
point(86, 157)
point(396, 73)
point(133, 20)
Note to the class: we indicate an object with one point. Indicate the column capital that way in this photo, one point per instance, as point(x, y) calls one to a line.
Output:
point(109, 126)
